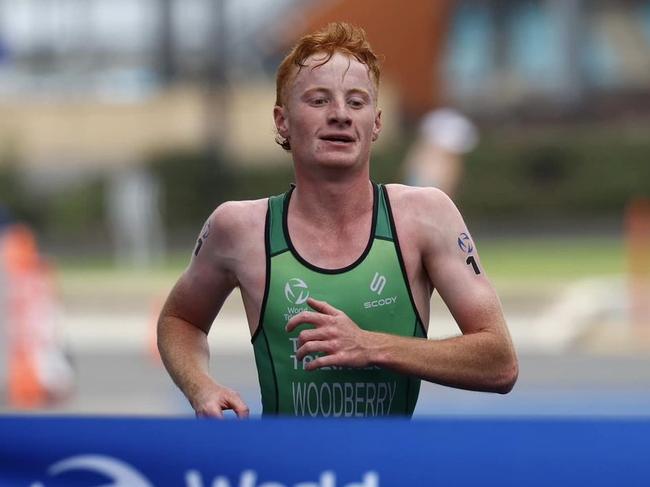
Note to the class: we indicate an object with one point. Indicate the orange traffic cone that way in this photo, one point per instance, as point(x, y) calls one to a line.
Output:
point(37, 370)
point(24, 389)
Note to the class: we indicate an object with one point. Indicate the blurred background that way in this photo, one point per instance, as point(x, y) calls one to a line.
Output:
point(123, 123)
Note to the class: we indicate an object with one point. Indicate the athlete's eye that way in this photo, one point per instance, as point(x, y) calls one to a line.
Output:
point(356, 103)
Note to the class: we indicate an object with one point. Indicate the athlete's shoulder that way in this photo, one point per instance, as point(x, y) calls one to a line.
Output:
point(233, 223)
point(426, 216)
point(232, 215)
point(412, 201)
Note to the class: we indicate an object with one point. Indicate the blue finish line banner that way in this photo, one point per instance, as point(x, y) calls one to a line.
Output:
point(92, 452)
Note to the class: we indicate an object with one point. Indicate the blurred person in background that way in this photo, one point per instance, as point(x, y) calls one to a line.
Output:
point(336, 275)
point(436, 157)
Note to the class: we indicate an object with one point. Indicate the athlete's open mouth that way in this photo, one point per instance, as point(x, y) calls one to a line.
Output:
point(337, 138)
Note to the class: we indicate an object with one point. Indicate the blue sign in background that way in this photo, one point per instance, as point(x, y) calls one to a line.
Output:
point(62, 451)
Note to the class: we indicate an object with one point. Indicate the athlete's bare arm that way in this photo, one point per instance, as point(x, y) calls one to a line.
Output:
point(193, 304)
point(482, 358)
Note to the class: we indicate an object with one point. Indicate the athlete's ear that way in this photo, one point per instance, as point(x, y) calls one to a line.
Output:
point(376, 129)
point(280, 116)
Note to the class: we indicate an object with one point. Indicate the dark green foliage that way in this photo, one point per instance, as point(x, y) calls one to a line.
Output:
point(77, 213)
point(193, 183)
point(260, 182)
point(560, 175)
point(14, 200)
point(571, 174)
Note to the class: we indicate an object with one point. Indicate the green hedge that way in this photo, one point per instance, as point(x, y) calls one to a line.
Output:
point(194, 183)
point(573, 174)
point(568, 174)
point(14, 198)
point(77, 214)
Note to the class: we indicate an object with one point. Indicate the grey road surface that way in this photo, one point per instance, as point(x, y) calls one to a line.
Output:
point(112, 383)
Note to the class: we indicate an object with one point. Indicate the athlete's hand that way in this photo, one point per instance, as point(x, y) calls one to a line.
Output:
point(335, 334)
point(213, 399)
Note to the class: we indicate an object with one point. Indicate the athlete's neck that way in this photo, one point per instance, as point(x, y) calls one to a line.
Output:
point(332, 202)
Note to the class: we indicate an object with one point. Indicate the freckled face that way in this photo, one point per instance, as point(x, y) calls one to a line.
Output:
point(330, 113)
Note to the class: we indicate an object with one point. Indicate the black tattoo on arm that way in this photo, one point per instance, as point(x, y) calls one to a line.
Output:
point(472, 261)
point(204, 234)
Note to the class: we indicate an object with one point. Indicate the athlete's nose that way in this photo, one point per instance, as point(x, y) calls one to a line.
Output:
point(339, 113)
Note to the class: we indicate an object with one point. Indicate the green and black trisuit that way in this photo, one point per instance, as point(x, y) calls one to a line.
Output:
point(373, 292)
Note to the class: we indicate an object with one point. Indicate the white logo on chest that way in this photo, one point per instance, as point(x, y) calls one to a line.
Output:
point(377, 303)
point(296, 291)
point(377, 284)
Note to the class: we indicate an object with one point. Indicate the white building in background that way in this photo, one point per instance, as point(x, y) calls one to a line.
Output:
point(90, 84)
point(118, 47)
point(96, 83)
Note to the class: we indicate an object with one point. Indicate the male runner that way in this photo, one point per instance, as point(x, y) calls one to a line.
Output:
point(336, 275)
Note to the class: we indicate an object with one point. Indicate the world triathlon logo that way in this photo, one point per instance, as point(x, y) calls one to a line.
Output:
point(120, 473)
point(296, 291)
point(465, 243)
